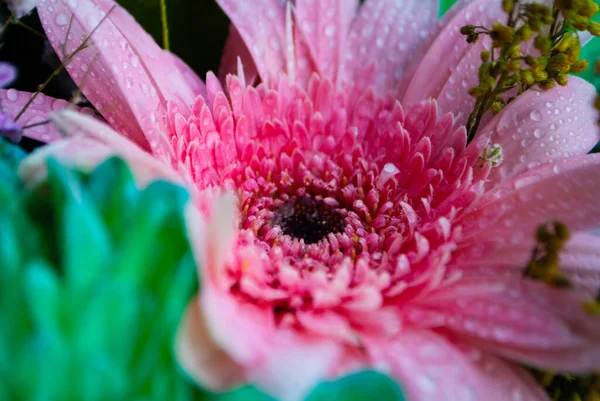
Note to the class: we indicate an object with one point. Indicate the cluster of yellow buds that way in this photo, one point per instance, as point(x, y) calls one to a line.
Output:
point(545, 261)
point(553, 33)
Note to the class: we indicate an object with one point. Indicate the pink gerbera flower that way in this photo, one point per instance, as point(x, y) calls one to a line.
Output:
point(363, 232)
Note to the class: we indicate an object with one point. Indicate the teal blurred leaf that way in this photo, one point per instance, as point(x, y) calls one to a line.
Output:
point(363, 386)
point(78, 324)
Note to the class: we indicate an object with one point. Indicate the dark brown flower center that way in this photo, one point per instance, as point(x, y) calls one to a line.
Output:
point(308, 219)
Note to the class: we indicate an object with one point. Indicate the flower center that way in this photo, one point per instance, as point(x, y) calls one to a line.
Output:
point(308, 219)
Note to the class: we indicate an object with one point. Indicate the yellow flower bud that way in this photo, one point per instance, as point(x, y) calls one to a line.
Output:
point(501, 32)
point(525, 32)
point(543, 44)
point(527, 77)
point(594, 28)
point(476, 91)
point(574, 51)
point(566, 42)
point(579, 66)
point(559, 63)
point(562, 231)
point(588, 9)
point(540, 75)
point(467, 29)
point(508, 5)
point(514, 65)
point(547, 84)
point(561, 79)
point(497, 107)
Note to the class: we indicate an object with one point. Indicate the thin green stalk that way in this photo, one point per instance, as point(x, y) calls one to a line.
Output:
point(165, 24)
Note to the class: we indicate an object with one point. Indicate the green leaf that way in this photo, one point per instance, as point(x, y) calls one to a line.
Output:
point(86, 246)
point(445, 5)
point(110, 186)
point(95, 276)
point(246, 393)
point(363, 386)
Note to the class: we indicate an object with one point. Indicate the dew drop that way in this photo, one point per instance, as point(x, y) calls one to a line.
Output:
point(12, 95)
point(330, 30)
point(62, 19)
point(538, 133)
point(535, 115)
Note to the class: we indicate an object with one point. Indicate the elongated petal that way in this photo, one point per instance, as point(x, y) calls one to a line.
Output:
point(200, 357)
point(579, 261)
point(565, 190)
point(520, 319)
point(235, 51)
point(261, 23)
point(382, 39)
point(123, 73)
point(77, 126)
point(429, 367)
point(189, 78)
point(36, 113)
point(325, 25)
point(439, 65)
point(81, 153)
point(540, 127)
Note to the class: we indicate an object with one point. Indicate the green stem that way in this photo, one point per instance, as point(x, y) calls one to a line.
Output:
point(165, 25)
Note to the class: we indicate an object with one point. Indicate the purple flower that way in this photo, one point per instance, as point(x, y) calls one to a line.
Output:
point(8, 127)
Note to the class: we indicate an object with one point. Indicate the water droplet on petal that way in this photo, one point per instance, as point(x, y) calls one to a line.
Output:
point(12, 95)
point(535, 115)
point(62, 19)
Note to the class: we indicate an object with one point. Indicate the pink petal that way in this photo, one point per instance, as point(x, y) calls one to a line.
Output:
point(234, 53)
point(145, 167)
point(200, 357)
point(520, 319)
point(541, 127)
point(565, 190)
point(21, 7)
point(439, 65)
point(283, 362)
point(261, 23)
point(81, 153)
point(454, 95)
point(125, 74)
point(325, 25)
point(189, 77)
point(13, 101)
point(428, 367)
point(382, 39)
point(579, 261)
